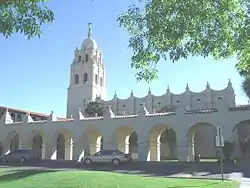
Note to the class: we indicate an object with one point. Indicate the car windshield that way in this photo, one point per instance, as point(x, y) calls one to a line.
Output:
point(20, 151)
point(119, 152)
point(98, 153)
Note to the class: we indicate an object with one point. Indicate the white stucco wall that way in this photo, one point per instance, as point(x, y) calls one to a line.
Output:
point(147, 127)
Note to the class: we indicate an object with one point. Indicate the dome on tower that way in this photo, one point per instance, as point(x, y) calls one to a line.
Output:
point(89, 43)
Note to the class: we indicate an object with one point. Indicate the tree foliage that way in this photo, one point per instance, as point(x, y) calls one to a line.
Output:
point(24, 16)
point(175, 29)
point(246, 86)
point(94, 108)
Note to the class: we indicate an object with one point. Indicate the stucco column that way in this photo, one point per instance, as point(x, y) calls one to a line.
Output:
point(50, 147)
point(78, 151)
point(154, 151)
point(182, 146)
point(236, 153)
point(190, 146)
point(98, 147)
point(68, 149)
point(43, 155)
point(143, 151)
point(5, 146)
point(79, 142)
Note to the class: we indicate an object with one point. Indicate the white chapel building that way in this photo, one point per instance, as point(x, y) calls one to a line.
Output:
point(151, 128)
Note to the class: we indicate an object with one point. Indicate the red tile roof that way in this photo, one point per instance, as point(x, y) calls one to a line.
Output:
point(25, 112)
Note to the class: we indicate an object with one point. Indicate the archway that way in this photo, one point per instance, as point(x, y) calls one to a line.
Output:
point(93, 141)
point(168, 145)
point(64, 146)
point(201, 139)
point(60, 147)
point(162, 143)
point(133, 145)
point(127, 141)
point(37, 145)
point(14, 142)
point(241, 140)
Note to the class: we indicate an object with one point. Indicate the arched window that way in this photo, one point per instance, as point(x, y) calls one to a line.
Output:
point(96, 79)
point(76, 79)
point(13, 116)
point(79, 58)
point(101, 84)
point(86, 57)
point(85, 78)
point(19, 117)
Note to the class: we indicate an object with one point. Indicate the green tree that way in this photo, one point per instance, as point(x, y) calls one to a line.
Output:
point(246, 86)
point(94, 108)
point(175, 29)
point(24, 16)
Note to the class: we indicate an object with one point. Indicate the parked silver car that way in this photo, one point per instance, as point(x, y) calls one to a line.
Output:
point(20, 156)
point(107, 156)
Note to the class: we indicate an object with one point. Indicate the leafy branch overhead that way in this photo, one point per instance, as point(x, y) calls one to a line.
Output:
point(246, 86)
point(175, 29)
point(24, 16)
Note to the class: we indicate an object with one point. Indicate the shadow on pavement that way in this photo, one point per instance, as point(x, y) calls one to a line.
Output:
point(171, 169)
point(19, 174)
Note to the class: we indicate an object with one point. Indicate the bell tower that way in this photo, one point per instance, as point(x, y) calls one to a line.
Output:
point(87, 76)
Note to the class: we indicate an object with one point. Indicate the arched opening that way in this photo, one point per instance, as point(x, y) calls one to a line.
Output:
point(64, 146)
point(91, 142)
point(127, 141)
point(13, 116)
point(14, 143)
point(101, 81)
point(37, 146)
point(162, 143)
point(76, 79)
point(60, 147)
point(19, 117)
point(85, 78)
point(79, 58)
point(133, 145)
point(241, 141)
point(168, 145)
point(86, 57)
point(96, 79)
point(201, 140)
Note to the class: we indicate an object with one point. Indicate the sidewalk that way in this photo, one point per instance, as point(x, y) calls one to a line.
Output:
point(245, 183)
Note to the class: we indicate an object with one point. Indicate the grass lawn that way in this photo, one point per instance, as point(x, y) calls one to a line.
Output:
point(85, 179)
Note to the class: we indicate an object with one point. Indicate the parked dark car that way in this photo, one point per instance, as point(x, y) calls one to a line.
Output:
point(20, 156)
point(114, 157)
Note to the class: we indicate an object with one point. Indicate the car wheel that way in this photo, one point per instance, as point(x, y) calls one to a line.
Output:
point(22, 160)
point(115, 162)
point(87, 161)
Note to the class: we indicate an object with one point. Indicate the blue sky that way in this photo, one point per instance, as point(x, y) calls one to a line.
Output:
point(35, 73)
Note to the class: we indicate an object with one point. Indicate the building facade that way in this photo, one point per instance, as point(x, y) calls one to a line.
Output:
point(18, 115)
point(152, 127)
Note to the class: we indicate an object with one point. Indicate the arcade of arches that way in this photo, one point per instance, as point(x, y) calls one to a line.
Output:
point(162, 144)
